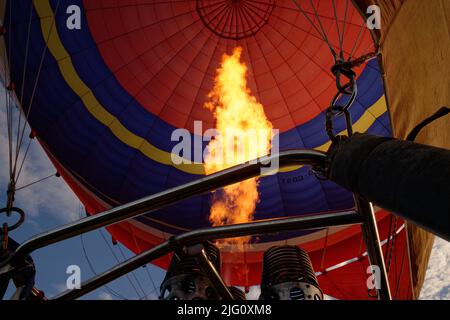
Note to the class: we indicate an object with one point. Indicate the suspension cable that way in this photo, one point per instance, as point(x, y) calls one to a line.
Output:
point(15, 163)
point(25, 67)
point(338, 29)
point(37, 181)
point(23, 160)
point(145, 266)
point(133, 273)
point(91, 265)
point(343, 25)
point(36, 82)
point(321, 32)
point(392, 237)
point(342, 68)
point(118, 261)
point(352, 52)
point(27, 49)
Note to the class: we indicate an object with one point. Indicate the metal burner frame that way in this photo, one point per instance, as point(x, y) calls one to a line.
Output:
point(362, 215)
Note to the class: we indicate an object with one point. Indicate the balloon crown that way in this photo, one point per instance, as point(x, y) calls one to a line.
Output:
point(235, 19)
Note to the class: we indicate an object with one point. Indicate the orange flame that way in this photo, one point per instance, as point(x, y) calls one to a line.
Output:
point(243, 133)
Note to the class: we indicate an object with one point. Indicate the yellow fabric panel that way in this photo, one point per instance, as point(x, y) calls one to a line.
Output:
point(420, 246)
point(100, 113)
point(70, 75)
point(2, 8)
point(416, 61)
point(389, 10)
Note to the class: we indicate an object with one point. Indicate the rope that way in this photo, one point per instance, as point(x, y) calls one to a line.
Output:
point(151, 280)
point(338, 29)
point(437, 115)
point(15, 164)
point(391, 250)
point(322, 28)
point(133, 274)
point(17, 151)
point(391, 218)
point(145, 266)
point(9, 124)
point(402, 267)
point(23, 160)
point(25, 66)
point(357, 41)
point(37, 181)
point(325, 246)
point(118, 261)
point(343, 26)
point(341, 68)
point(8, 108)
point(9, 114)
point(321, 32)
point(91, 265)
point(33, 94)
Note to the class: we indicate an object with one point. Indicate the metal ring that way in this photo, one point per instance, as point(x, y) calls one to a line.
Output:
point(20, 212)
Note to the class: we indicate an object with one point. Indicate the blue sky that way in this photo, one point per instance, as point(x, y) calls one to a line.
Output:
point(51, 203)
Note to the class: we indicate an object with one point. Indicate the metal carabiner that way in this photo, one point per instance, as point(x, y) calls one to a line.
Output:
point(19, 211)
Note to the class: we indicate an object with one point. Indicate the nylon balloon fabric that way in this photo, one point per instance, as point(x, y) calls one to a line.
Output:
point(105, 99)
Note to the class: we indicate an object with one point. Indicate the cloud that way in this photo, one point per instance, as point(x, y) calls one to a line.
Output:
point(57, 288)
point(152, 296)
point(105, 296)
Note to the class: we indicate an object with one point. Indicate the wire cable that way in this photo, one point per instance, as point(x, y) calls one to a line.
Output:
point(36, 82)
point(25, 67)
point(118, 261)
point(91, 265)
point(132, 273)
point(320, 32)
point(23, 161)
point(37, 181)
point(145, 266)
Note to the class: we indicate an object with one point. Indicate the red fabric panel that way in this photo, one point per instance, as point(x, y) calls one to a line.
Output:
point(166, 56)
point(347, 282)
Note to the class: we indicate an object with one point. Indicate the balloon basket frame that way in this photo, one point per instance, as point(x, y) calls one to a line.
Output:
point(191, 241)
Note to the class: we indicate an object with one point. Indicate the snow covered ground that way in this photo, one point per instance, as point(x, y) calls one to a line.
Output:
point(437, 281)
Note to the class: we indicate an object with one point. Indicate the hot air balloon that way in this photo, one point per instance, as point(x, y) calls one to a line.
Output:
point(104, 84)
